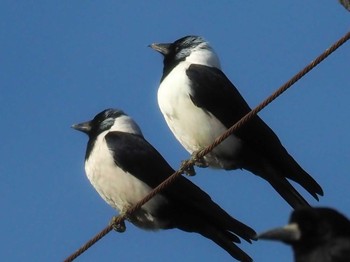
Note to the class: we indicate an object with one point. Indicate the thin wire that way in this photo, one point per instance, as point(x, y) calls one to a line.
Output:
point(190, 163)
point(277, 93)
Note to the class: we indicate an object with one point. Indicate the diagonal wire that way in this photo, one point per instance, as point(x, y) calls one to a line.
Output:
point(190, 163)
point(277, 93)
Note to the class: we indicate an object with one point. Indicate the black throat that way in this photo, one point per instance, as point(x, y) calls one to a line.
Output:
point(169, 64)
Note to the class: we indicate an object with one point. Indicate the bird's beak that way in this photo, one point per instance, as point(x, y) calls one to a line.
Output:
point(83, 127)
point(288, 233)
point(161, 48)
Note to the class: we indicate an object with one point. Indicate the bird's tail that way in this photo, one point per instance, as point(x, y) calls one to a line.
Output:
point(296, 173)
point(284, 188)
point(225, 239)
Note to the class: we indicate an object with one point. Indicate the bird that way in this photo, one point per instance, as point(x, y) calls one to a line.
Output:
point(316, 235)
point(199, 103)
point(123, 168)
point(346, 4)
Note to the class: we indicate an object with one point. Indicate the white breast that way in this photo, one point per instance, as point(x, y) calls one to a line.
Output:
point(192, 126)
point(117, 187)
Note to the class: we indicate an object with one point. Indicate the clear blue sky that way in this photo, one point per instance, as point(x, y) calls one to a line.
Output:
point(62, 62)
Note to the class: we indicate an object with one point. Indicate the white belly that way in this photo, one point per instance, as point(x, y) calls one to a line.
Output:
point(193, 127)
point(118, 188)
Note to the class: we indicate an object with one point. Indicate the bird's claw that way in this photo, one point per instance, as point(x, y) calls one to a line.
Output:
point(189, 171)
point(200, 162)
point(117, 226)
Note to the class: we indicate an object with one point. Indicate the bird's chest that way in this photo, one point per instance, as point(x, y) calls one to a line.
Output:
point(336, 250)
point(188, 122)
point(194, 127)
point(117, 187)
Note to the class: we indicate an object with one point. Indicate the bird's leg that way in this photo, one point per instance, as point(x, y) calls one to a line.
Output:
point(189, 171)
point(118, 226)
point(200, 162)
point(197, 161)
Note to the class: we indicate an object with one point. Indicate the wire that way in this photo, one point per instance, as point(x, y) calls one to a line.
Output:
point(190, 162)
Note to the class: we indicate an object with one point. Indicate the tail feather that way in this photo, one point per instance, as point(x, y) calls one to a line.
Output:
point(229, 223)
point(296, 173)
point(289, 193)
point(219, 232)
point(284, 188)
point(198, 202)
point(223, 239)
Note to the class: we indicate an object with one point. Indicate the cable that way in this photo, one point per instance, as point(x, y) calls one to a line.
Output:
point(190, 163)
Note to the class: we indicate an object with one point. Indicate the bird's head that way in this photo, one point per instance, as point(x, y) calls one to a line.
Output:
point(320, 224)
point(193, 49)
point(310, 227)
point(108, 120)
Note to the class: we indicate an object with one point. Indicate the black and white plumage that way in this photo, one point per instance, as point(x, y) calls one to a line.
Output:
point(199, 103)
point(123, 168)
point(316, 235)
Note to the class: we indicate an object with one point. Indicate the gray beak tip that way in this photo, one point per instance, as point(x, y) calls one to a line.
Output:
point(82, 127)
point(288, 233)
point(161, 48)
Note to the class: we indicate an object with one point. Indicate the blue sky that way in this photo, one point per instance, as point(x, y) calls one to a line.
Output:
point(61, 62)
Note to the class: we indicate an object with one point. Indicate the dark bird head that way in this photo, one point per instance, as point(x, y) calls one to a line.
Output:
point(108, 120)
point(181, 48)
point(313, 230)
point(193, 49)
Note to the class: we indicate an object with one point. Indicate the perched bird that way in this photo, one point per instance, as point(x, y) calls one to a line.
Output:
point(123, 168)
point(199, 103)
point(346, 4)
point(316, 235)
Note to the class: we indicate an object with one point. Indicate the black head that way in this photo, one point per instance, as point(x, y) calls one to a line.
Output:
point(320, 224)
point(177, 51)
point(101, 122)
point(310, 227)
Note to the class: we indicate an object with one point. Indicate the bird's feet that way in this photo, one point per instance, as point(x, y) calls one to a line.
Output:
point(118, 226)
point(200, 162)
point(189, 171)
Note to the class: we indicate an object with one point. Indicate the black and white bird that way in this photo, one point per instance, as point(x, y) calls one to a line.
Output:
point(199, 103)
point(123, 168)
point(316, 235)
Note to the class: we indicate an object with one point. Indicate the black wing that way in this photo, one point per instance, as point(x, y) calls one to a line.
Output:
point(136, 156)
point(212, 91)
